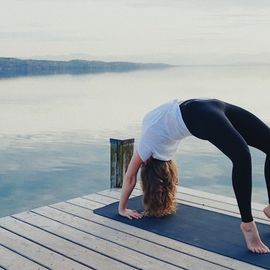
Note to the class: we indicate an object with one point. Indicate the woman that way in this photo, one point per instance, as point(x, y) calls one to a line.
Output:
point(230, 128)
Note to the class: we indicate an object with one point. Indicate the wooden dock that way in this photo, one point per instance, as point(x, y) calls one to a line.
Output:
point(68, 235)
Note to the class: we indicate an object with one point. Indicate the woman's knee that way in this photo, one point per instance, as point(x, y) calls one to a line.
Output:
point(242, 156)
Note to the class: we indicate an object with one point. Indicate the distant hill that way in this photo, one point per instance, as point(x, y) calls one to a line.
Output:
point(13, 67)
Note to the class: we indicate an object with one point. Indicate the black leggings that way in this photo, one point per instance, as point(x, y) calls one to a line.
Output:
point(231, 129)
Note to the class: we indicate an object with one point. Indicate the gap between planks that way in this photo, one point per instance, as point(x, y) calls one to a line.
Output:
point(13, 260)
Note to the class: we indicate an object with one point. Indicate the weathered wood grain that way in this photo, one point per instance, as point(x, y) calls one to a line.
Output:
point(72, 250)
point(170, 243)
point(68, 235)
point(95, 240)
point(13, 261)
point(37, 252)
point(129, 241)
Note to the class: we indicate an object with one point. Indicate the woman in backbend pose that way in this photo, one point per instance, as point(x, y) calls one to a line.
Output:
point(230, 128)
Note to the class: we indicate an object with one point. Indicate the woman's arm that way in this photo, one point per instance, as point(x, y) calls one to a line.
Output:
point(129, 183)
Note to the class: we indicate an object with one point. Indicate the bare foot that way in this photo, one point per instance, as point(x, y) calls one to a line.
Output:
point(266, 211)
point(253, 240)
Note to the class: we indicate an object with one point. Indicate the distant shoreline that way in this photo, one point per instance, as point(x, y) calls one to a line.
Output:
point(15, 67)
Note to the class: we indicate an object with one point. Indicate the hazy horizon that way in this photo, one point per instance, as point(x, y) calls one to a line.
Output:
point(173, 32)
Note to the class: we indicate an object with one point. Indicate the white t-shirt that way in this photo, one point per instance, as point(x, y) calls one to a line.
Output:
point(162, 130)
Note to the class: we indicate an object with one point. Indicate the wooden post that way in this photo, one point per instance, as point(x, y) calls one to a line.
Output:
point(121, 153)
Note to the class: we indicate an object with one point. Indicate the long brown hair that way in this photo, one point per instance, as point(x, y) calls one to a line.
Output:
point(159, 180)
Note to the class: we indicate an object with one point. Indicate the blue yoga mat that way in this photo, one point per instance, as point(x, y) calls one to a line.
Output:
point(205, 229)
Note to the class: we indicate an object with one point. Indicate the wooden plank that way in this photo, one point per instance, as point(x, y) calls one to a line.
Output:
point(92, 241)
point(145, 247)
point(212, 205)
point(97, 204)
point(115, 193)
point(13, 261)
point(219, 205)
point(216, 197)
point(204, 194)
point(149, 236)
point(198, 205)
point(202, 203)
point(37, 252)
point(96, 198)
point(205, 203)
point(228, 201)
point(72, 250)
point(82, 202)
point(213, 197)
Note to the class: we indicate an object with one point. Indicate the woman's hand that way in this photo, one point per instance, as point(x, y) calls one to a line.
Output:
point(128, 185)
point(130, 213)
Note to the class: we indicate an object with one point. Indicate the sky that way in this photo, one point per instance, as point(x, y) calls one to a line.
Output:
point(170, 31)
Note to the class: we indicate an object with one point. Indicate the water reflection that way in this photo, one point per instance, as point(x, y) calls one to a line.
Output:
point(50, 172)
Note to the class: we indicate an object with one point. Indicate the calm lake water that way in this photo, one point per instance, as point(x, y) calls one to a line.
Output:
point(55, 130)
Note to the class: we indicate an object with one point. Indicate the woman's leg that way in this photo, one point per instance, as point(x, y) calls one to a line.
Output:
point(255, 132)
point(206, 120)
